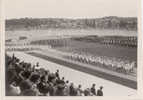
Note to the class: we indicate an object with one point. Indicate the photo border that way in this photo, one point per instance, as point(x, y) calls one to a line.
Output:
point(139, 63)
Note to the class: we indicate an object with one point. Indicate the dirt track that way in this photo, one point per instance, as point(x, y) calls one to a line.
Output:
point(117, 79)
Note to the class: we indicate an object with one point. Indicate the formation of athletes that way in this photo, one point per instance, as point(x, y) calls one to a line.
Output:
point(113, 63)
point(116, 64)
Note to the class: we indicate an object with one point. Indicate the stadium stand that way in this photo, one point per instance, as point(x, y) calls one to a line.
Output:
point(25, 79)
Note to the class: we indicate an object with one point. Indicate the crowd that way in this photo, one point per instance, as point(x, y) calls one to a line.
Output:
point(119, 65)
point(25, 79)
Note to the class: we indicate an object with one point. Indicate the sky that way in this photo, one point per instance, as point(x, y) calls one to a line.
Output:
point(69, 8)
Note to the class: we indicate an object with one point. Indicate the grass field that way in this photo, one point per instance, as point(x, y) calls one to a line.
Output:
point(97, 49)
point(82, 46)
point(101, 50)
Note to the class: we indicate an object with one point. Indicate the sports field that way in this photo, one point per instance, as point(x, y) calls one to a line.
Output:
point(125, 53)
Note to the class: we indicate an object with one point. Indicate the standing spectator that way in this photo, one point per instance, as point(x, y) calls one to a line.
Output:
point(72, 90)
point(93, 90)
point(63, 80)
point(66, 90)
point(51, 89)
point(100, 92)
point(46, 75)
point(57, 74)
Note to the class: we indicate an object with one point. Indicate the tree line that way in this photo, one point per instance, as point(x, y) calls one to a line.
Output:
point(112, 22)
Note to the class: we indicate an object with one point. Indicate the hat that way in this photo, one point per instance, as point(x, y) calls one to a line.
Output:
point(101, 87)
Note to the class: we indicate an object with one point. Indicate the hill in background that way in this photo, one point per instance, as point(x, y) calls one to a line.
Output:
point(112, 22)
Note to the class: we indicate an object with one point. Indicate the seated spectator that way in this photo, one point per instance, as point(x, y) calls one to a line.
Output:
point(99, 91)
point(60, 90)
point(51, 77)
point(31, 84)
point(87, 92)
point(12, 90)
point(79, 91)
point(35, 79)
point(43, 86)
point(25, 85)
point(25, 74)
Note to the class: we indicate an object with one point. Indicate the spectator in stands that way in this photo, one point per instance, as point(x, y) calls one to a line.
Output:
point(26, 86)
point(22, 79)
point(43, 86)
point(87, 92)
point(99, 91)
point(63, 80)
point(57, 74)
point(51, 89)
point(79, 91)
point(47, 72)
point(72, 90)
point(12, 90)
point(66, 90)
point(60, 90)
point(93, 90)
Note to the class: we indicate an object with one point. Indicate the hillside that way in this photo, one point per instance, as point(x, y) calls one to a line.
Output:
point(112, 22)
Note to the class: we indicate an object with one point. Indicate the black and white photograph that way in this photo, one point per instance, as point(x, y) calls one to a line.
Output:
point(71, 48)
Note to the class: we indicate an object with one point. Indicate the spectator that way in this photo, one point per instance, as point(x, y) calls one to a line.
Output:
point(51, 89)
point(25, 85)
point(93, 90)
point(79, 91)
point(60, 90)
point(26, 73)
point(57, 74)
point(12, 90)
point(72, 90)
point(63, 80)
point(99, 91)
point(43, 86)
point(87, 92)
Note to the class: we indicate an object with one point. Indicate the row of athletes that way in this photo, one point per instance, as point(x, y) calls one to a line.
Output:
point(127, 43)
point(128, 66)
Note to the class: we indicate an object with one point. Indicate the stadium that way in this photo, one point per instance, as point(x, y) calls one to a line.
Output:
point(70, 65)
